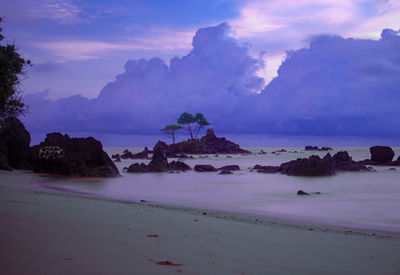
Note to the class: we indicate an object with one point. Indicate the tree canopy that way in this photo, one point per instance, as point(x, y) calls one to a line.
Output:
point(188, 120)
point(170, 130)
point(11, 68)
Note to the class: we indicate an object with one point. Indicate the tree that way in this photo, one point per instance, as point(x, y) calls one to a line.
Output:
point(11, 68)
point(201, 123)
point(187, 119)
point(170, 130)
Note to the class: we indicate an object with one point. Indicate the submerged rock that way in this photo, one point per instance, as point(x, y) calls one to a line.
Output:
point(159, 162)
point(230, 168)
point(301, 192)
point(137, 168)
point(225, 172)
point(204, 168)
point(60, 154)
point(178, 166)
point(313, 166)
point(316, 148)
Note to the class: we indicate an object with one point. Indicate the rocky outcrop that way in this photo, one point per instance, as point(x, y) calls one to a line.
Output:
point(158, 163)
point(229, 168)
point(381, 154)
point(302, 193)
point(60, 154)
point(316, 148)
point(204, 168)
point(14, 145)
point(178, 166)
point(126, 154)
point(209, 144)
point(314, 166)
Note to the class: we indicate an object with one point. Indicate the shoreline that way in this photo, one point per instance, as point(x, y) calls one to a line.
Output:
point(56, 232)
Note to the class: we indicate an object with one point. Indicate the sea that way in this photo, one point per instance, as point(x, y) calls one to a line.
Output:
point(352, 199)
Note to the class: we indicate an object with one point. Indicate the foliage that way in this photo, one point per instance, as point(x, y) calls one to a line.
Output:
point(170, 130)
point(199, 122)
point(11, 68)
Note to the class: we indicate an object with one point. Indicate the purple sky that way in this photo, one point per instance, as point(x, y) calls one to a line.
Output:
point(134, 66)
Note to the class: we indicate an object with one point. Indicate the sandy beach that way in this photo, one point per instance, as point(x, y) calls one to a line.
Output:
point(54, 232)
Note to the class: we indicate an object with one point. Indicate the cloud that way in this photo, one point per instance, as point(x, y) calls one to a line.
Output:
point(61, 11)
point(336, 86)
point(212, 78)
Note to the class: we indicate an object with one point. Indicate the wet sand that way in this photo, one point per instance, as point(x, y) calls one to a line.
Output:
point(50, 231)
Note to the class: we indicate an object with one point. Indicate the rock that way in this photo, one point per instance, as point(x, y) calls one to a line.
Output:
point(381, 154)
point(315, 148)
point(4, 156)
point(204, 168)
point(225, 172)
point(159, 162)
point(313, 166)
point(301, 192)
point(209, 144)
point(262, 152)
point(116, 157)
point(126, 154)
point(267, 169)
point(392, 169)
point(14, 145)
point(178, 166)
point(137, 168)
point(230, 168)
point(60, 154)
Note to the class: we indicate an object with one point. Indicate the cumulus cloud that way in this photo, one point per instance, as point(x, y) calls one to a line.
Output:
point(213, 78)
point(336, 86)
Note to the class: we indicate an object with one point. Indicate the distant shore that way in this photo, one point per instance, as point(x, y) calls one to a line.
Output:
point(47, 231)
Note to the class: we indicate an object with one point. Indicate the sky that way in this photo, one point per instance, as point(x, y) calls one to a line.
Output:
point(312, 67)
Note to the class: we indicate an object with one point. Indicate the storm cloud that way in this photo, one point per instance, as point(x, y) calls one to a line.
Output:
point(336, 86)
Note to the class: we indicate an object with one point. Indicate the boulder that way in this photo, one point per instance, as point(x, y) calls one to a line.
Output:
point(381, 154)
point(267, 169)
point(60, 154)
point(159, 162)
point(137, 168)
point(230, 168)
point(178, 166)
point(313, 166)
point(301, 192)
point(14, 145)
point(204, 168)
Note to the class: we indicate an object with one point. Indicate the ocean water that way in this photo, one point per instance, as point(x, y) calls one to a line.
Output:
point(356, 199)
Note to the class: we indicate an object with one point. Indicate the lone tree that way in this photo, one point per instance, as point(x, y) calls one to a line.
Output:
point(188, 120)
point(11, 68)
point(201, 123)
point(170, 130)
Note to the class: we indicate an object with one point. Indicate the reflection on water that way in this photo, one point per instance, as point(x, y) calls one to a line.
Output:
point(361, 199)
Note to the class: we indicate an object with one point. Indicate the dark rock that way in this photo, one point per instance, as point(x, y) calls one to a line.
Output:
point(204, 168)
point(314, 166)
point(225, 172)
point(159, 162)
point(392, 169)
point(315, 148)
point(262, 152)
point(301, 192)
point(381, 154)
point(126, 154)
point(209, 144)
point(14, 145)
point(268, 169)
point(178, 166)
point(116, 157)
point(60, 154)
point(137, 168)
point(230, 168)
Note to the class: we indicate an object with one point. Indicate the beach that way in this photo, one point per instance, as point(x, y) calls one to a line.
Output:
point(56, 231)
